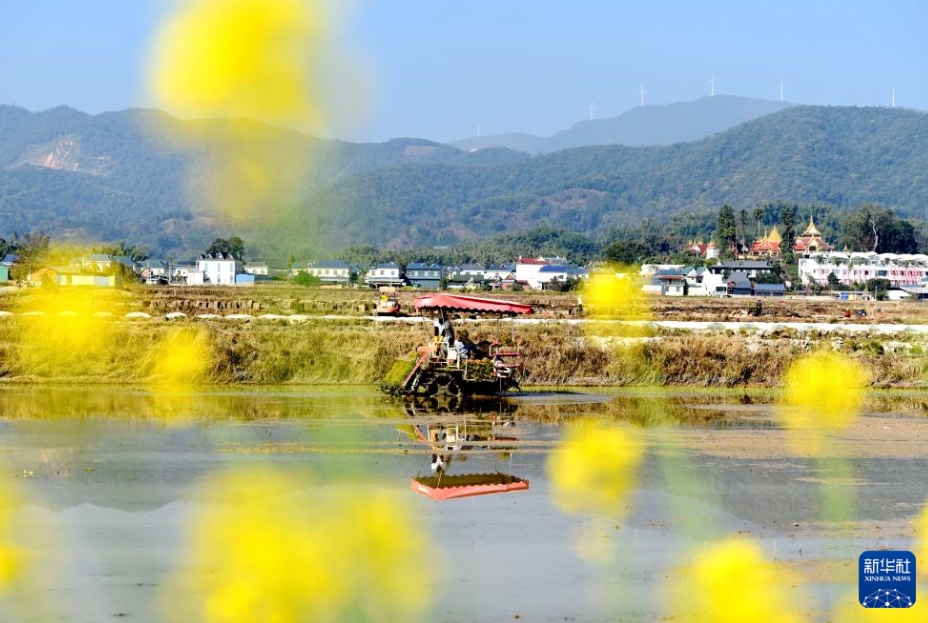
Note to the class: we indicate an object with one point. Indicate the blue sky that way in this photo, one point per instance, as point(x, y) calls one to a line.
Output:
point(435, 68)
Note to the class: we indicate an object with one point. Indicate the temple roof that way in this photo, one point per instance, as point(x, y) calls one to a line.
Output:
point(811, 230)
point(774, 235)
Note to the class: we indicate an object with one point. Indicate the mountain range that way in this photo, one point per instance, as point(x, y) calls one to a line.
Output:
point(138, 175)
point(643, 126)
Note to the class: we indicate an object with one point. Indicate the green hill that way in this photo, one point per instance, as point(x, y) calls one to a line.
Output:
point(838, 156)
point(116, 176)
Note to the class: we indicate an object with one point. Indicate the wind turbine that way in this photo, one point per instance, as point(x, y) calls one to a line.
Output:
point(592, 109)
point(643, 93)
point(894, 96)
point(711, 84)
point(478, 129)
point(782, 86)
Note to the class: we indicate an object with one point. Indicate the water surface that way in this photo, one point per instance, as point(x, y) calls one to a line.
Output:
point(111, 475)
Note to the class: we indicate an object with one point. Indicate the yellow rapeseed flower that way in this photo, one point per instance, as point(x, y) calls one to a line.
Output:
point(243, 60)
point(615, 293)
point(239, 58)
point(271, 553)
point(182, 358)
point(823, 390)
point(733, 583)
point(594, 468)
point(13, 556)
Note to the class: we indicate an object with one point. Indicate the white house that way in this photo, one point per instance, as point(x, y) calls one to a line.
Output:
point(389, 274)
point(219, 269)
point(551, 274)
point(257, 268)
point(330, 271)
point(527, 271)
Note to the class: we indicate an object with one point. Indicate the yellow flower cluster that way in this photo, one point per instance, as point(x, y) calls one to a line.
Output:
point(238, 58)
point(594, 468)
point(615, 294)
point(12, 555)
point(271, 553)
point(182, 358)
point(824, 390)
point(243, 59)
point(733, 583)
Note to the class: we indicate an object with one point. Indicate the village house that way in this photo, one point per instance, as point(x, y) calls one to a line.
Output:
point(752, 268)
point(501, 272)
point(673, 283)
point(425, 276)
point(330, 272)
point(153, 271)
point(527, 270)
point(388, 274)
point(219, 269)
point(74, 276)
point(257, 268)
point(185, 273)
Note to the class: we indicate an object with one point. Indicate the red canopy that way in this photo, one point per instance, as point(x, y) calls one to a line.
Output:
point(471, 304)
point(445, 487)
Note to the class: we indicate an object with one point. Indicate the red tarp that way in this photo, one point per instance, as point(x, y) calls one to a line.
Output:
point(445, 487)
point(471, 304)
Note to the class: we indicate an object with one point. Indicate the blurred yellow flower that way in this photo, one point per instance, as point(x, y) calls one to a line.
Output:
point(615, 293)
point(269, 553)
point(824, 390)
point(594, 468)
point(732, 583)
point(239, 58)
point(13, 556)
point(243, 59)
point(182, 358)
point(65, 330)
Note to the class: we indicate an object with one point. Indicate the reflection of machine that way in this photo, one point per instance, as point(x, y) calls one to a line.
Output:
point(444, 487)
point(451, 366)
point(388, 305)
point(450, 440)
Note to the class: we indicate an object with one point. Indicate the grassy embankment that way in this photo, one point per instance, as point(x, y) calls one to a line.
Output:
point(358, 351)
point(361, 352)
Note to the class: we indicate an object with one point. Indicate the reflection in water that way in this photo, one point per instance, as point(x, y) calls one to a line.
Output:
point(450, 438)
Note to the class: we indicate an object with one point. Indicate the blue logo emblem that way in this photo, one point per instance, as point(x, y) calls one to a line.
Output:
point(887, 580)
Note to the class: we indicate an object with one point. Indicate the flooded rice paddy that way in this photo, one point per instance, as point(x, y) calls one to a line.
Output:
point(109, 482)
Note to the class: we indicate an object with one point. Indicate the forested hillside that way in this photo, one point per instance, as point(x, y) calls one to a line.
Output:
point(125, 176)
point(841, 157)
